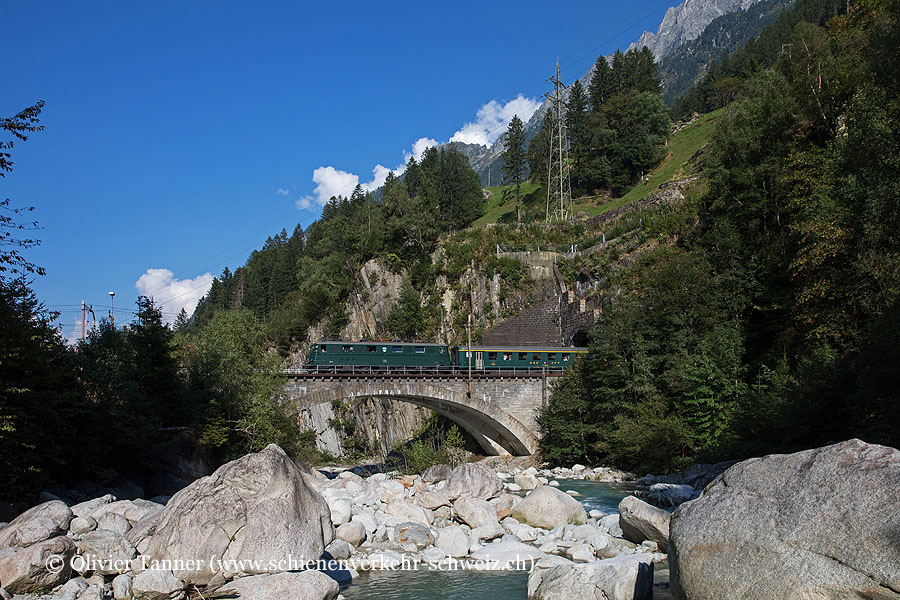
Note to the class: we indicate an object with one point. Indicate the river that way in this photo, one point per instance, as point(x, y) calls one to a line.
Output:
point(466, 585)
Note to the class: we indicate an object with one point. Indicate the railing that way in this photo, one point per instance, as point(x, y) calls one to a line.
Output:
point(434, 371)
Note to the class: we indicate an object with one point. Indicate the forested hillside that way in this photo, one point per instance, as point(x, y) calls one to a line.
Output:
point(768, 321)
point(723, 78)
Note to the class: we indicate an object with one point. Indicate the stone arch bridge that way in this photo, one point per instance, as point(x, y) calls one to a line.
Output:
point(500, 411)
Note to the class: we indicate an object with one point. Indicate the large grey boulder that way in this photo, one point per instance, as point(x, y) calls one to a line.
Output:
point(256, 508)
point(353, 533)
point(30, 532)
point(453, 541)
point(547, 507)
point(823, 524)
point(306, 585)
point(474, 512)
point(436, 473)
point(413, 533)
point(43, 565)
point(105, 552)
point(405, 511)
point(641, 521)
point(36, 524)
point(474, 480)
point(627, 577)
point(157, 584)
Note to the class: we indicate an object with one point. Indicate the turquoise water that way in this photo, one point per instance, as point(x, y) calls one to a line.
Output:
point(458, 585)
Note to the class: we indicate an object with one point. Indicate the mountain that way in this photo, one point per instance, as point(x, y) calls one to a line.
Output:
point(686, 22)
point(686, 63)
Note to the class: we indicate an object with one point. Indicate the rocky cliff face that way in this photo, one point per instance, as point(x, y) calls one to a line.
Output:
point(685, 22)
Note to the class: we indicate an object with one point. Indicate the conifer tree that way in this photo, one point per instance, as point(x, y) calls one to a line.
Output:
point(601, 84)
point(515, 160)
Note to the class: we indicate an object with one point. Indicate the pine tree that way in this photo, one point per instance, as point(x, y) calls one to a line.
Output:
point(515, 160)
point(619, 79)
point(577, 127)
point(601, 84)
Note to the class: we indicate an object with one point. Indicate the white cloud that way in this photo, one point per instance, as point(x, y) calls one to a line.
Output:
point(173, 294)
point(282, 191)
point(493, 119)
point(335, 182)
point(419, 147)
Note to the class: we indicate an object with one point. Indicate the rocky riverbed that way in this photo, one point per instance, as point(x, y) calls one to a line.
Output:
point(263, 527)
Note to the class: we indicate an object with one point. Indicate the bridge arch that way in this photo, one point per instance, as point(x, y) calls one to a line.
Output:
point(495, 430)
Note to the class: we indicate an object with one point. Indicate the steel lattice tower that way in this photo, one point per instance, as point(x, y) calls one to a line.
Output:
point(559, 189)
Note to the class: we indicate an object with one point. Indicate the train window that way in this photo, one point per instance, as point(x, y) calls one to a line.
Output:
point(551, 356)
point(536, 356)
point(323, 347)
point(442, 349)
point(347, 348)
point(492, 356)
point(397, 349)
point(523, 356)
point(370, 348)
point(507, 356)
point(565, 357)
point(384, 348)
point(420, 349)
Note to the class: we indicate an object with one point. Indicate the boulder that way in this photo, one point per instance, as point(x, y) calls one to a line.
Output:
point(114, 522)
point(611, 524)
point(82, 525)
point(84, 509)
point(368, 521)
point(409, 512)
point(453, 541)
point(621, 578)
point(339, 549)
point(143, 529)
point(504, 504)
point(105, 552)
point(30, 532)
point(822, 523)
point(353, 533)
point(341, 510)
point(121, 586)
point(641, 521)
point(42, 565)
point(432, 500)
point(474, 480)
point(669, 495)
point(547, 507)
point(413, 533)
point(436, 473)
point(157, 584)
point(474, 512)
point(507, 555)
point(526, 481)
point(256, 508)
point(37, 524)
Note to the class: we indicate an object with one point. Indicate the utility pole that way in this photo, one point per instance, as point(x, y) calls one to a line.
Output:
point(559, 189)
point(112, 307)
point(82, 321)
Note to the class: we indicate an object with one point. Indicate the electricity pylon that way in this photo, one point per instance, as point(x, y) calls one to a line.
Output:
point(559, 189)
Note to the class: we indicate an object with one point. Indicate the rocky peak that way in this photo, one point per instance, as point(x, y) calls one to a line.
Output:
point(685, 22)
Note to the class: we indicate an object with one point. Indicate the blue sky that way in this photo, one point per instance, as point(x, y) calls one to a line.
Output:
point(179, 135)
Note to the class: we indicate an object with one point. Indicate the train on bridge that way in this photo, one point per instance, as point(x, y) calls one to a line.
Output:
point(412, 357)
